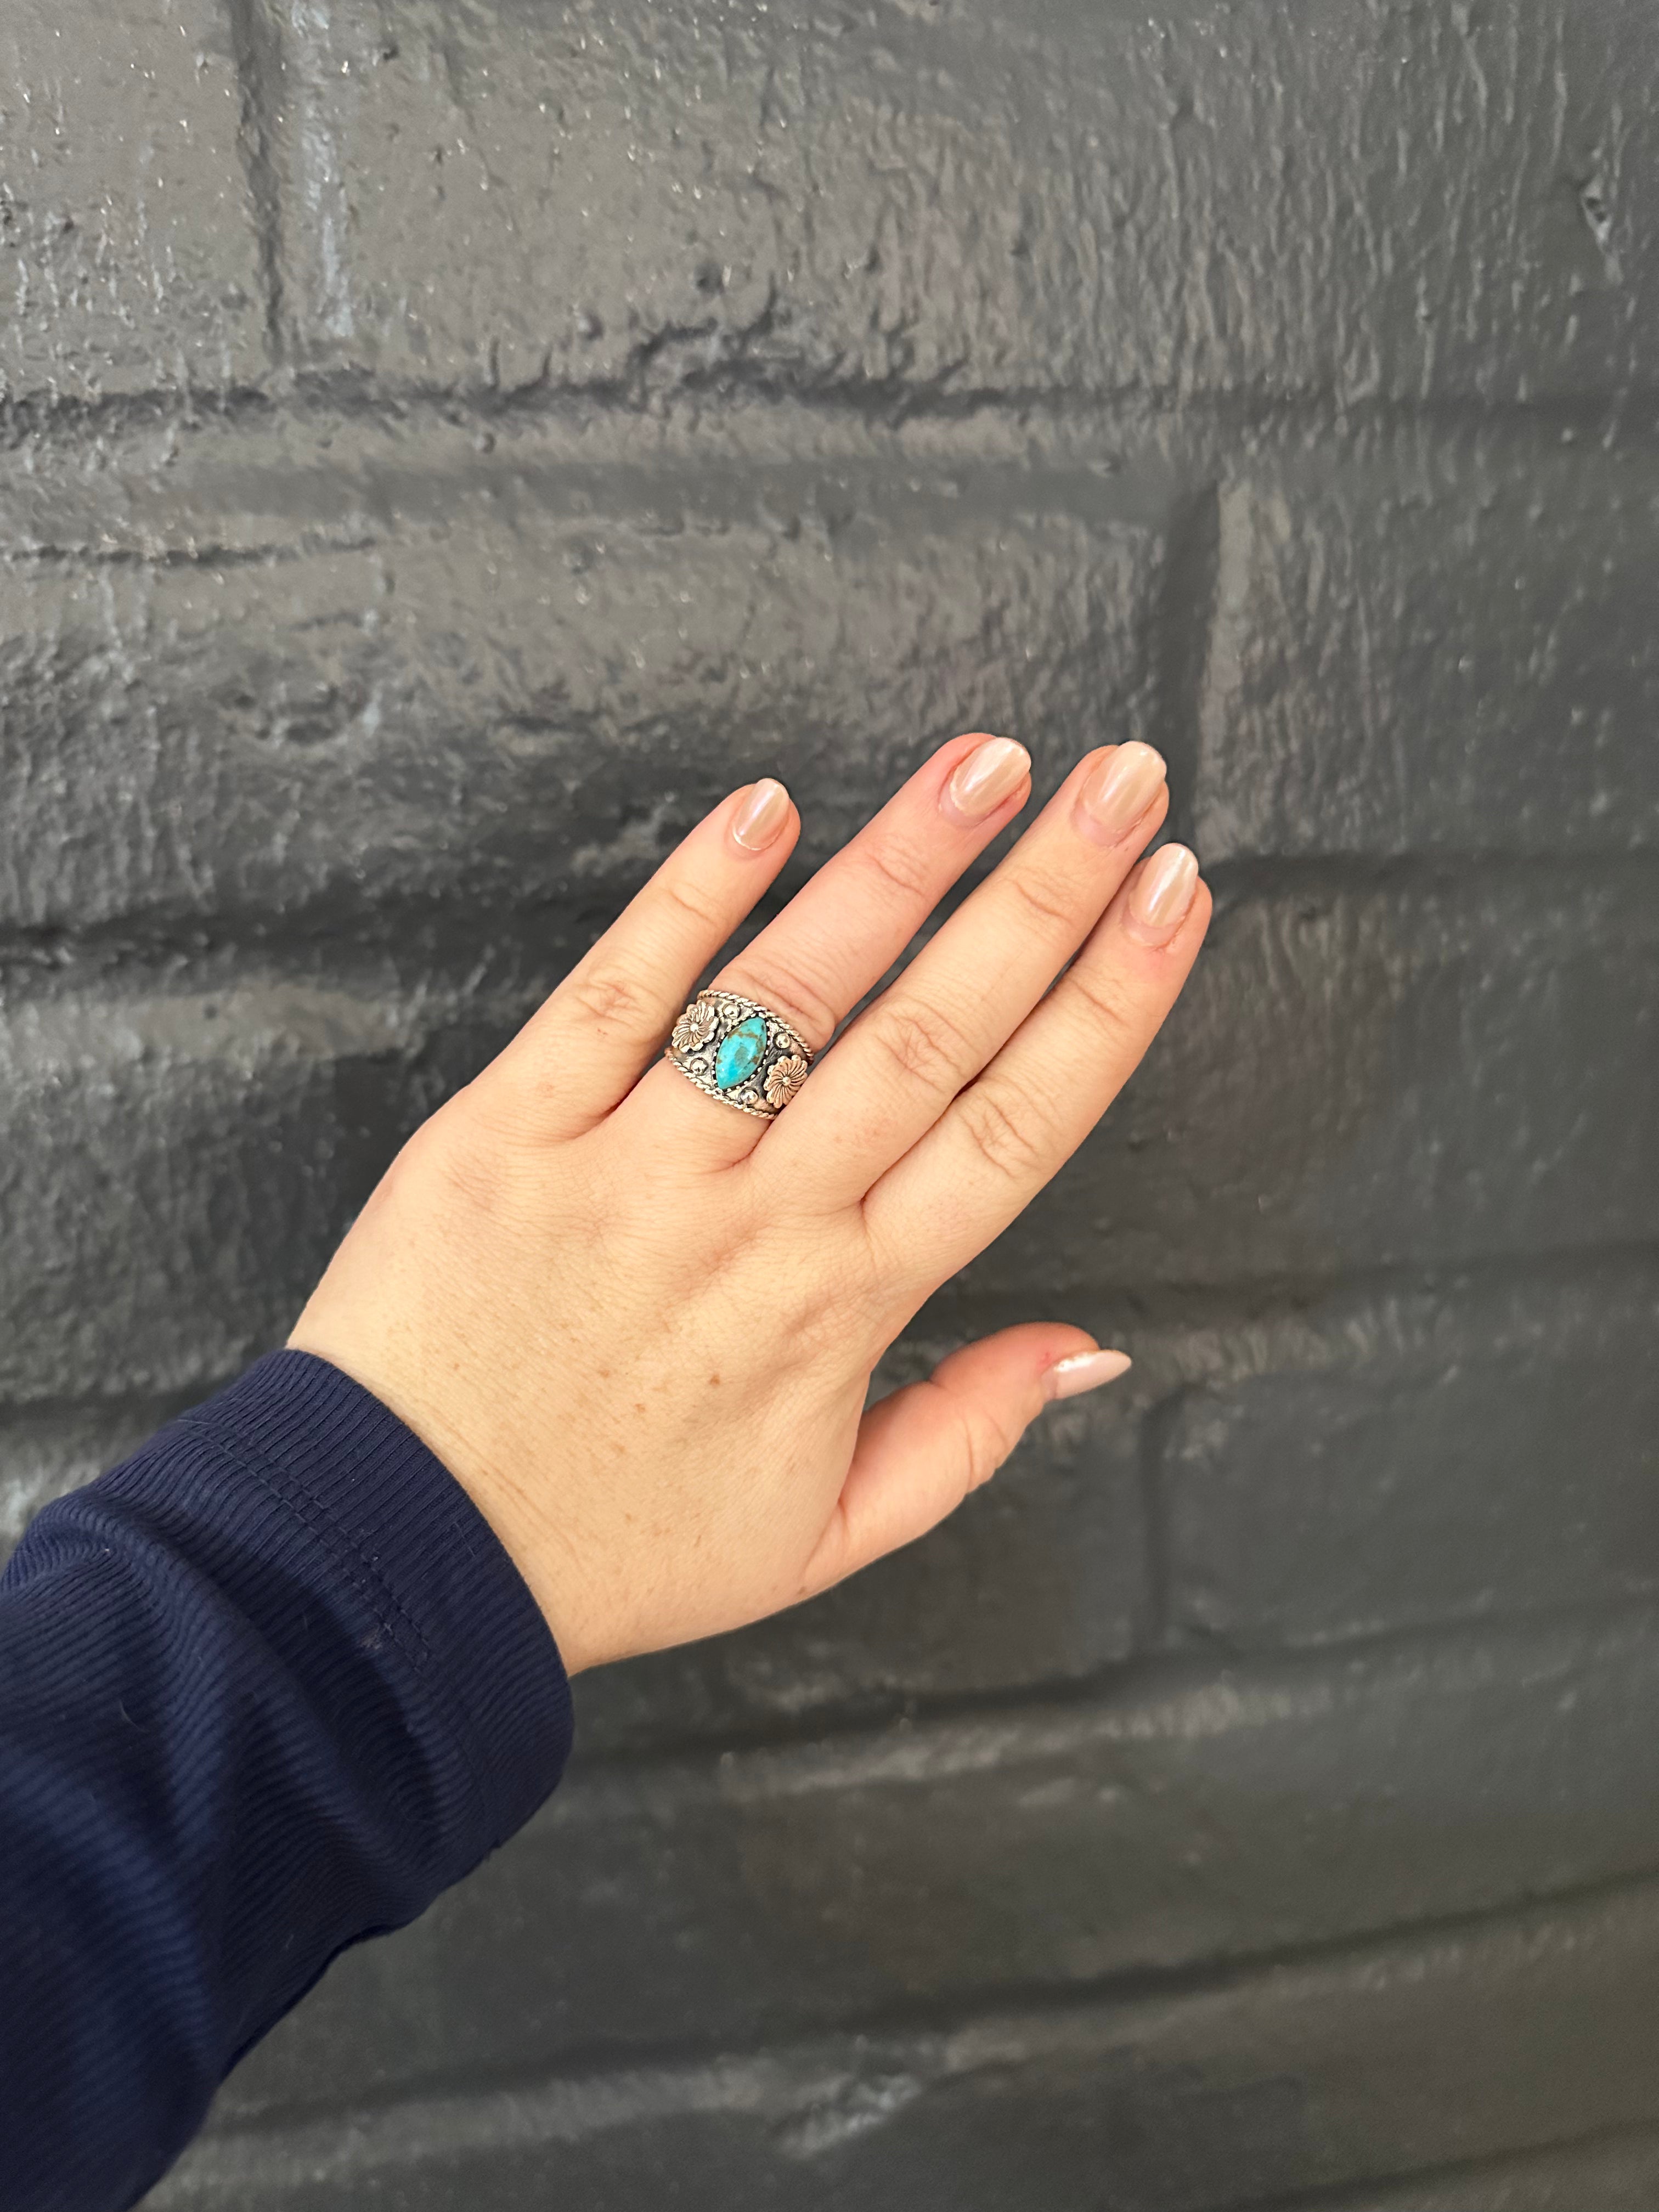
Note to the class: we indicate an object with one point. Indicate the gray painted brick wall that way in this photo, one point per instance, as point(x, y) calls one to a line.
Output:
point(444, 445)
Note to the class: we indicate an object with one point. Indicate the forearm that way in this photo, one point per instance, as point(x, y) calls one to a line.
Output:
point(266, 1689)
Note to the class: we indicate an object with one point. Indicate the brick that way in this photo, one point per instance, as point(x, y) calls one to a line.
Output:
point(314, 675)
point(1193, 1820)
point(1413, 1456)
point(368, 679)
point(1417, 1072)
point(1019, 202)
point(1342, 2069)
point(1418, 653)
point(1372, 1458)
point(175, 1169)
point(129, 252)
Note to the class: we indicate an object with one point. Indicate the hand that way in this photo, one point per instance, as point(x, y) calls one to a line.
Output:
point(638, 1325)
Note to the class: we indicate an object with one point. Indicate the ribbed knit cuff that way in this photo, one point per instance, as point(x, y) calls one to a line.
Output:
point(446, 1590)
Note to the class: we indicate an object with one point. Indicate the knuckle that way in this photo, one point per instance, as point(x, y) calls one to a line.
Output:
point(1009, 1130)
point(1107, 1006)
point(927, 1045)
point(613, 997)
point(688, 898)
point(985, 1443)
point(1044, 901)
point(902, 869)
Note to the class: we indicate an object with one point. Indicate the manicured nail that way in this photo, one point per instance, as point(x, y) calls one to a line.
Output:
point(982, 782)
point(1084, 1370)
point(1118, 790)
point(1162, 894)
point(762, 815)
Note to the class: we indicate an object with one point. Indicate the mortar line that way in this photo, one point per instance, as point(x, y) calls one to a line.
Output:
point(1182, 631)
point(256, 53)
point(126, 950)
point(1372, 2194)
point(1130, 411)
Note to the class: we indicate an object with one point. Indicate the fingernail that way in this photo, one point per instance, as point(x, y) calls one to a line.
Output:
point(982, 782)
point(1162, 894)
point(762, 815)
point(1084, 1370)
point(1118, 791)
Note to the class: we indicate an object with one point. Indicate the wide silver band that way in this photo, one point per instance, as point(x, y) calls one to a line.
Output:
point(740, 1052)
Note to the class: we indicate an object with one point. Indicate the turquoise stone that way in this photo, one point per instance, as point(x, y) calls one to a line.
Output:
point(740, 1054)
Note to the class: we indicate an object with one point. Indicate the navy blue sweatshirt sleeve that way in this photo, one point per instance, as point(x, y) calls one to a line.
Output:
point(266, 1689)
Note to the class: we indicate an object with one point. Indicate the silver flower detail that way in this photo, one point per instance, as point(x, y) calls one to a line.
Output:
point(784, 1079)
point(695, 1026)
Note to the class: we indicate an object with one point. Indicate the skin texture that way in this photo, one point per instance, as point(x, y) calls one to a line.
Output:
point(638, 1326)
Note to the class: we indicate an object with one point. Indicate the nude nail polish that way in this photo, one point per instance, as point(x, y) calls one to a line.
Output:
point(1162, 894)
point(980, 783)
point(1084, 1370)
point(1118, 790)
point(762, 815)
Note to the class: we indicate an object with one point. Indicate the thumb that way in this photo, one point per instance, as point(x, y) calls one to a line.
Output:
point(921, 1450)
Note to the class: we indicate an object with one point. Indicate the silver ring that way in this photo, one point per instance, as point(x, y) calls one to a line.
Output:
point(740, 1052)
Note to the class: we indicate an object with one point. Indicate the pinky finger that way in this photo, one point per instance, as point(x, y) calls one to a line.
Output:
point(921, 1450)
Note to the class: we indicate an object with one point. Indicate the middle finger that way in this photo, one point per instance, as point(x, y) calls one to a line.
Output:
point(842, 931)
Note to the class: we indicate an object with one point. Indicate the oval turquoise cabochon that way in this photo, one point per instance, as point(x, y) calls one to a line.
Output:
point(739, 1054)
